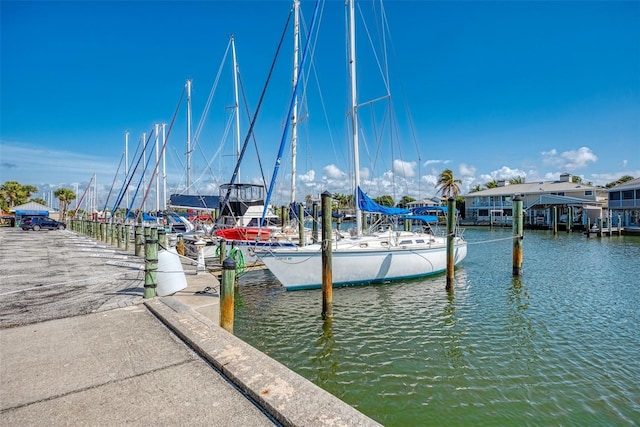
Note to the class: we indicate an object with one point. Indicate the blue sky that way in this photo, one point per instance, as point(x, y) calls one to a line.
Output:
point(490, 90)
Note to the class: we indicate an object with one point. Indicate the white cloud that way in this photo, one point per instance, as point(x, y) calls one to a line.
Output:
point(505, 173)
point(310, 176)
point(404, 169)
point(333, 172)
point(569, 160)
point(466, 171)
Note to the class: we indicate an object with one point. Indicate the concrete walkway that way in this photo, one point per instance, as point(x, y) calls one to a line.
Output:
point(81, 347)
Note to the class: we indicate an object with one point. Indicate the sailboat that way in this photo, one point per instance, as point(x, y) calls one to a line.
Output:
point(377, 257)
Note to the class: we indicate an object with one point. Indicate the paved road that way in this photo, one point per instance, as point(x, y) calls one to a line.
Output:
point(42, 276)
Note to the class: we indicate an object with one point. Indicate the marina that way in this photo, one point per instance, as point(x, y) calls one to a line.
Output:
point(557, 346)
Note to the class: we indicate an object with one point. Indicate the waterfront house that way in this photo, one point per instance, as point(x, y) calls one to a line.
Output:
point(624, 205)
point(33, 209)
point(577, 202)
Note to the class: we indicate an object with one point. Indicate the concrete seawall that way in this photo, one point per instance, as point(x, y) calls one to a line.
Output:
point(67, 343)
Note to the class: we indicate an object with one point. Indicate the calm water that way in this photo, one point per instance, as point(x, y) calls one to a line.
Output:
point(561, 346)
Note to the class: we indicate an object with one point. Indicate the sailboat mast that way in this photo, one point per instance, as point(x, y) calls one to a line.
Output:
point(354, 114)
point(126, 162)
point(294, 116)
point(237, 103)
point(188, 137)
point(164, 167)
point(157, 127)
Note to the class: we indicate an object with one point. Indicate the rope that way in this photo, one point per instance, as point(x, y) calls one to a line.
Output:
point(496, 240)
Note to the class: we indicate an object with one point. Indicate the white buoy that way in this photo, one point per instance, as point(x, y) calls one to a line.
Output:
point(171, 278)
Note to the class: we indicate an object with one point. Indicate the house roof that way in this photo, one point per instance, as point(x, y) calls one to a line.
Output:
point(532, 188)
point(548, 200)
point(32, 206)
point(632, 184)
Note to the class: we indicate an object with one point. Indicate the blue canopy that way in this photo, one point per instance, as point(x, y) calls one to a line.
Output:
point(368, 205)
point(423, 218)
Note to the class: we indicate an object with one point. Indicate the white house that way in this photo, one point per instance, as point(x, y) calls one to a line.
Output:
point(494, 205)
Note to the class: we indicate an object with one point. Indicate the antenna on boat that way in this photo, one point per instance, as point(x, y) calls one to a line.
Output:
point(237, 106)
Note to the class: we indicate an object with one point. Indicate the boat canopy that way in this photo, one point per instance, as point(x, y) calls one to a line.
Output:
point(367, 205)
point(423, 218)
point(428, 209)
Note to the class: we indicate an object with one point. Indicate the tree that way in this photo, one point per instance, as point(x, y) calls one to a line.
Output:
point(517, 180)
point(65, 196)
point(13, 193)
point(405, 201)
point(478, 187)
point(576, 179)
point(448, 185)
point(491, 184)
point(385, 200)
point(622, 180)
point(39, 200)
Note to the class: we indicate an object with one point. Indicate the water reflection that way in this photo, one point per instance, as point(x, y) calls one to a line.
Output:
point(324, 360)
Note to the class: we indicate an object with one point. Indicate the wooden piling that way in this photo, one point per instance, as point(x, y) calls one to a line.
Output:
point(316, 237)
point(227, 299)
point(555, 220)
point(137, 240)
point(119, 235)
point(569, 219)
point(151, 262)
point(180, 246)
point(327, 269)
point(222, 250)
point(518, 235)
point(301, 225)
point(146, 232)
point(127, 230)
point(451, 211)
point(162, 238)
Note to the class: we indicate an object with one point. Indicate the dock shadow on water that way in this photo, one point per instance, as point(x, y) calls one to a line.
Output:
point(557, 346)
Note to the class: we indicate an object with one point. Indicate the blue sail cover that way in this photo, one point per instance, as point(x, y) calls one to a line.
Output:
point(368, 205)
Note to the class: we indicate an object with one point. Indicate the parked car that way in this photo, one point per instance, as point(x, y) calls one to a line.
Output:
point(37, 223)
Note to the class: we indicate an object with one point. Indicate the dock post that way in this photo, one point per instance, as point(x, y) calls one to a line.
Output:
point(222, 250)
point(301, 241)
point(147, 234)
point(180, 246)
point(137, 239)
point(569, 219)
point(619, 225)
point(227, 294)
point(151, 262)
point(201, 266)
point(451, 211)
point(110, 233)
point(316, 237)
point(119, 235)
point(127, 230)
point(518, 235)
point(327, 269)
point(555, 220)
point(162, 238)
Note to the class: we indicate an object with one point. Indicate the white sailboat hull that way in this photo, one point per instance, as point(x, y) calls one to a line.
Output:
point(359, 261)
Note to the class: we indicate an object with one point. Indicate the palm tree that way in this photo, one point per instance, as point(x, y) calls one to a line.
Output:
point(478, 187)
point(517, 180)
point(491, 184)
point(448, 185)
point(14, 193)
point(65, 196)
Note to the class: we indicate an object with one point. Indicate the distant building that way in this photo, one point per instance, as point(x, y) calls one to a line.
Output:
point(33, 209)
point(624, 204)
point(494, 205)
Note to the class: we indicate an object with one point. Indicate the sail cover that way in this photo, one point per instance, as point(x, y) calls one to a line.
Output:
point(368, 205)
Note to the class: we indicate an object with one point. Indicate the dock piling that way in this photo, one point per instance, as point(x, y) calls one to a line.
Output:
point(227, 298)
point(327, 269)
point(518, 235)
point(451, 208)
point(151, 263)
